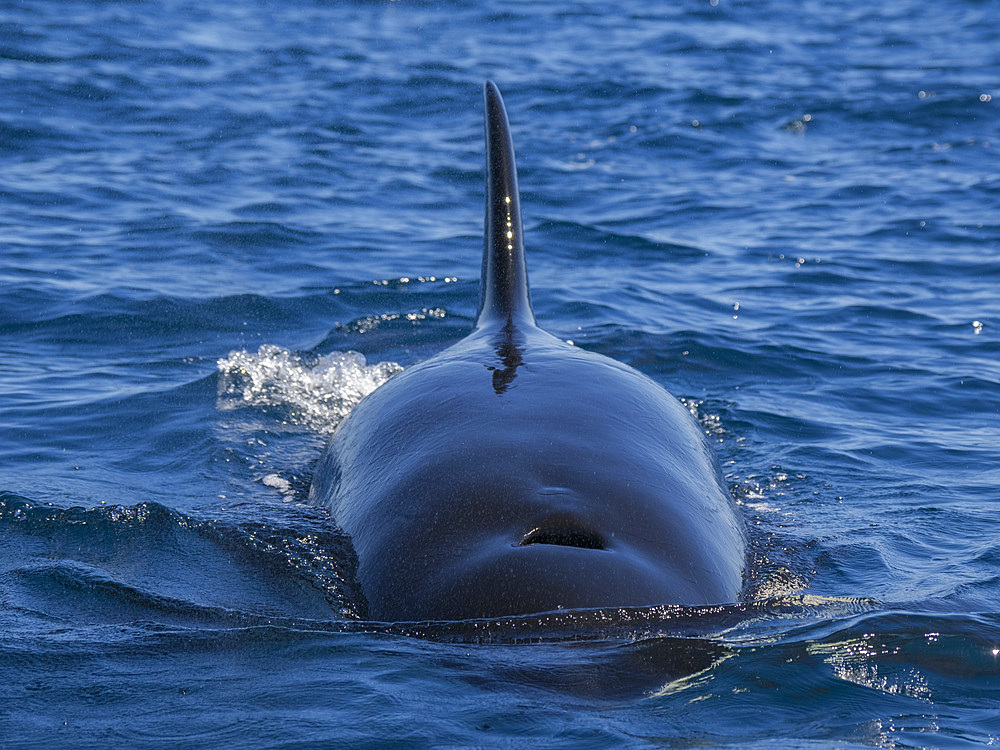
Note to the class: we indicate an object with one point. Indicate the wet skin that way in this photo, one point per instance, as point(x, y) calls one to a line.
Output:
point(515, 473)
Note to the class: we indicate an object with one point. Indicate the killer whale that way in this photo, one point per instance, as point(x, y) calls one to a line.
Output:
point(515, 473)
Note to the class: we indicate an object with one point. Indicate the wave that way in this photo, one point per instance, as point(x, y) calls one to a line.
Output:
point(314, 391)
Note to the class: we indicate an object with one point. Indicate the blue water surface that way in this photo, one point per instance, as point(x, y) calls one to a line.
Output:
point(221, 224)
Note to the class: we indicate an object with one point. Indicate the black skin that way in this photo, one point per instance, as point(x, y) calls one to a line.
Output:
point(515, 473)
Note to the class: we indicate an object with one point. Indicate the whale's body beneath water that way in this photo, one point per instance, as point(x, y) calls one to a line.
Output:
point(514, 473)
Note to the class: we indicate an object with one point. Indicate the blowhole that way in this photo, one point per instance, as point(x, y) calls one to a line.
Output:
point(564, 536)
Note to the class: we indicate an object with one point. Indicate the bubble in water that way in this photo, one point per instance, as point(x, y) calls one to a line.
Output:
point(316, 392)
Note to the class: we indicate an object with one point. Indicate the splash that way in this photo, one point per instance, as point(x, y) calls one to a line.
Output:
point(314, 391)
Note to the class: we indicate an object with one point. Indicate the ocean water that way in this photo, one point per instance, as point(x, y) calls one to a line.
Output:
point(221, 224)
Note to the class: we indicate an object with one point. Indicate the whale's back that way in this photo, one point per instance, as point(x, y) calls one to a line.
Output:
point(516, 473)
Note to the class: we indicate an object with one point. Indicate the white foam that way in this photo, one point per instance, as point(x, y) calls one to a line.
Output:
point(317, 392)
point(281, 484)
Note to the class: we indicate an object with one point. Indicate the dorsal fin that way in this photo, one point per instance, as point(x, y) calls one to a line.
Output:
point(504, 296)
